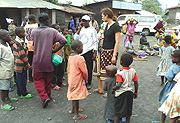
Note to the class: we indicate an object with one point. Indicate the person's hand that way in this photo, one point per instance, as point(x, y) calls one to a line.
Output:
point(66, 35)
point(94, 55)
point(100, 38)
point(113, 60)
point(80, 25)
point(112, 91)
point(135, 95)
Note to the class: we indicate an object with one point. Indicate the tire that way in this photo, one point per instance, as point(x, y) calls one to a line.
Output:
point(146, 31)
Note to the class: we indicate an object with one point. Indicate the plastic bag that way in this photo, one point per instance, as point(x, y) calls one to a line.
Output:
point(56, 59)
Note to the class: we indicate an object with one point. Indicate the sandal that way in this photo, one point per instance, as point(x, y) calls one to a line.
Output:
point(72, 112)
point(27, 96)
point(82, 117)
point(7, 107)
point(57, 88)
point(12, 100)
point(98, 91)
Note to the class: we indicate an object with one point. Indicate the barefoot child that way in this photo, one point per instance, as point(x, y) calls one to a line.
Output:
point(124, 89)
point(6, 70)
point(110, 82)
point(166, 60)
point(77, 79)
point(20, 52)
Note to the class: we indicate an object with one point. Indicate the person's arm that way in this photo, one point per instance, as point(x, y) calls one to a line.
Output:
point(136, 89)
point(80, 27)
point(117, 39)
point(83, 69)
point(105, 86)
point(95, 43)
point(116, 87)
point(136, 22)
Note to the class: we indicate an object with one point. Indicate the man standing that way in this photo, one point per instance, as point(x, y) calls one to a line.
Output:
point(88, 36)
point(43, 39)
point(72, 24)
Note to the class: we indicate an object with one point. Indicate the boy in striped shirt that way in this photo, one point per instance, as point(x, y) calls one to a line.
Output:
point(21, 64)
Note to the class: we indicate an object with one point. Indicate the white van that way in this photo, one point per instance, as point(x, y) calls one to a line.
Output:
point(146, 22)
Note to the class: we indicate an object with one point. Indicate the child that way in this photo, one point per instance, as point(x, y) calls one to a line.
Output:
point(173, 70)
point(144, 44)
point(43, 39)
point(6, 70)
point(172, 105)
point(77, 79)
point(124, 89)
point(129, 47)
point(166, 60)
point(58, 70)
point(110, 82)
point(67, 47)
point(20, 52)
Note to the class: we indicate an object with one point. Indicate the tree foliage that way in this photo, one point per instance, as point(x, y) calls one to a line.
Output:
point(53, 1)
point(68, 2)
point(151, 6)
point(86, 2)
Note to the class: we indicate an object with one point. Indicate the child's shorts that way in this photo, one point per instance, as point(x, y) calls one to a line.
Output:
point(123, 104)
point(5, 84)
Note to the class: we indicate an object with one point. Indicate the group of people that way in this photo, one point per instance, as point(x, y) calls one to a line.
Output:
point(34, 45)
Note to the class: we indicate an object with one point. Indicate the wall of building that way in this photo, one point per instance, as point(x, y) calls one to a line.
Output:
point(97, 7)
point(172, 13)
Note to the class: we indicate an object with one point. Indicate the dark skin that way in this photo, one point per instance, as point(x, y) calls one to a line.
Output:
point(5, 93)
point(162, 77)
point(144, 43)
point(75, 103)
point(46, 23)
point(85, 23)
point(131, 23)
point(117, 86)
point(175, 60)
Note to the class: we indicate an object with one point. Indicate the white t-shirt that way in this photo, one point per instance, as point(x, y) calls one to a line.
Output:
point(6, 62)
point(89, 39)
point(125, 75)
point(129, 45)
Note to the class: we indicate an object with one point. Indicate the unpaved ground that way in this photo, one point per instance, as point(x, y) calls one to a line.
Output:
point(145, 109)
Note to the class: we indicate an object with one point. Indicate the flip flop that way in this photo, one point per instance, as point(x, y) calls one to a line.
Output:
point(72, 112)
point(82, 117)
point(7, 107)
point(57, 88)
point(27, 96)
point(12, 100)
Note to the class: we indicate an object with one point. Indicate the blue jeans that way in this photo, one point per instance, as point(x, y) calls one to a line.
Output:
point(21, 82)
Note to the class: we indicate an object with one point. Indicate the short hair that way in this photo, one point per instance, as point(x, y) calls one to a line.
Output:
point(3, 32)
point(63, 28)
point(112, 68)
point(19, 30)
point(43, 17)
point(75, 44)
point(31, 17)
point(168, 39)
point(176, 53)
point(126, 59)
point(54, 25)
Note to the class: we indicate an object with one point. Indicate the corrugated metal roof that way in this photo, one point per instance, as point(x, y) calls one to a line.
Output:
point(41, 4)
point(73, 9)
point(178, 6)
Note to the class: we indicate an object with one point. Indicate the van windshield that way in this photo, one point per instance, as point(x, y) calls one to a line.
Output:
point(147, 19)
point(135, 17)
point(121, 18)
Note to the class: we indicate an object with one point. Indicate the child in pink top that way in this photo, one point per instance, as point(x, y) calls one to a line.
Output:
point(77, 79)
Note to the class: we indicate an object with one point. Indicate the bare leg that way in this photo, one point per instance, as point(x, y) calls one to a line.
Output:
point(128, 119)
point(162, 80)
point(3, 97)
point(173, 120)
point(117, 119)
point(163, 118)
point(99, 90)
point(7, 95)
point(76, 107)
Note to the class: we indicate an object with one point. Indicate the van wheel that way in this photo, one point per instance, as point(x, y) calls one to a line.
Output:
point(146, 31)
